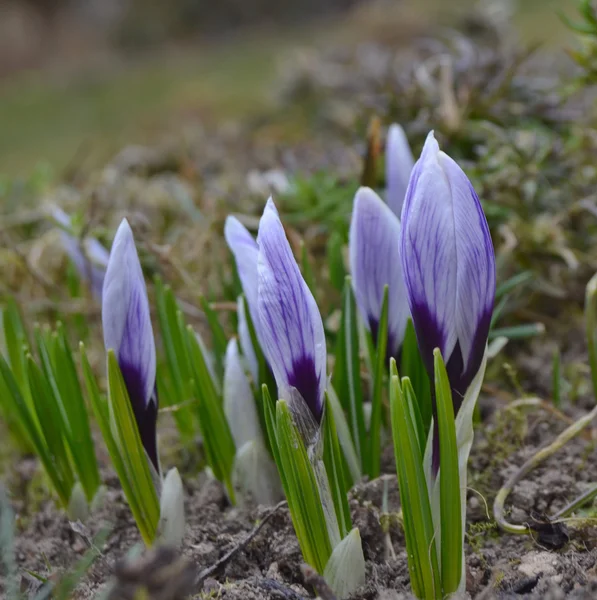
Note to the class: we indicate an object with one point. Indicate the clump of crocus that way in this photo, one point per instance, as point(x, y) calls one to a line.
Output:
point(449, 266)
point(293, 341)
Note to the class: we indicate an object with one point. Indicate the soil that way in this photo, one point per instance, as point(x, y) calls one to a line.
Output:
point(499, 565)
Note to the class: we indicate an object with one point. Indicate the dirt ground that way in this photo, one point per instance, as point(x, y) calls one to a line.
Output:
point(499, 565)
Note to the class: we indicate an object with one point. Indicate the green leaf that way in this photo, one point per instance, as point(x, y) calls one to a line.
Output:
point(450, 509)
point(346, 378)
point(377, 399)
point(52, 427)
point(134, 459)
point(101, 411)
point(351, 461)
point(335, 257)
point(175, 375)
point(300, 486)
point(414, 497)
point(78, 431)
point(306, 268)
point(10, 393)
point(518, 332)
point(412, 406)
point(510, 284)
point(337, 478)
point(412, 366)
point(217, 439)
point(219, 341)
point(270, 423)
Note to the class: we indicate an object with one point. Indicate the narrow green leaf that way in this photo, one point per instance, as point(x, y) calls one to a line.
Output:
point(302, 493)
point(176, 373)
point(10, 393)
point(217, 439)
point(101, 412)
point(412, 406)
point(219, 341)
point(50, 419)
point(510, 284)
point(518, 332)
point(270, 426)
point(377, 399)
point(412, 366)
point(336, 260)
point(306, 268)
point(337, 478)
point(450, 510)
point(414, 496)
point(346, 378)
point(128, 441)
point(79, 432)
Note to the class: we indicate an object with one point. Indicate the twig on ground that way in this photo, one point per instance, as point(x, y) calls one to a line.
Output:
point(498, 507)
point(210, 571)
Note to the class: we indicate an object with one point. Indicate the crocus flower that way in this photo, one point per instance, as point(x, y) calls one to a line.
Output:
point(128, 332)
point(88, 255)
point(399, 164)
point(292, 334)
point(374, 245)
point(449, 266)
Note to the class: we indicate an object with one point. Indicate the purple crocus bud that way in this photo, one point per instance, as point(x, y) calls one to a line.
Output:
point(399, 164)
point(449, 266)
point(89, 256)
point(374, 245)
point(128, 332)
point(292, 334)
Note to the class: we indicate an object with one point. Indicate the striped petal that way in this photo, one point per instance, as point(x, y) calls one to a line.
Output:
point(128, 332)
point(374, 245)
point(292, 334)
point(399, 165)
point(449, 264)
point(244, 248)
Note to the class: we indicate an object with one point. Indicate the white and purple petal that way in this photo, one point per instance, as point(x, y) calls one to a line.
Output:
point(399, 164)
point(292, 334)
point(128, 332)
point(374, 247)
point(244, 248)
point(449, 264)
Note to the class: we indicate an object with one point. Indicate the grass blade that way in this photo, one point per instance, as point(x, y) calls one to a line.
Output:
point(450, 510)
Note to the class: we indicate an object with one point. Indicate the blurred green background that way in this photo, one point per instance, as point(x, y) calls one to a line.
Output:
point(81, 78)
